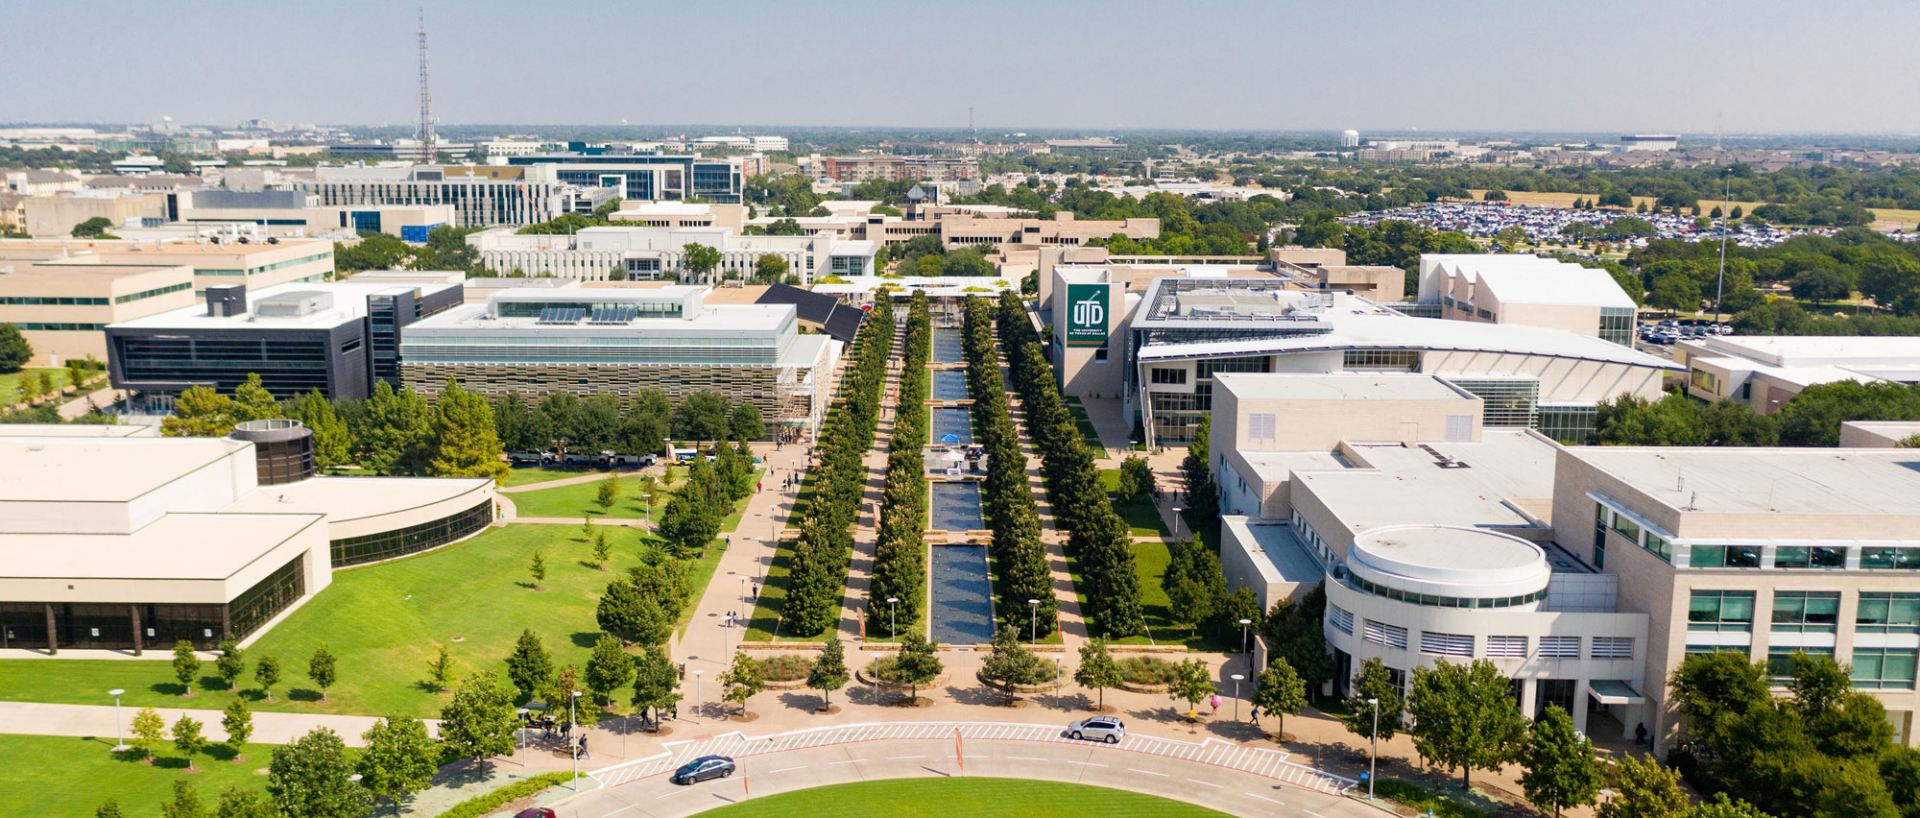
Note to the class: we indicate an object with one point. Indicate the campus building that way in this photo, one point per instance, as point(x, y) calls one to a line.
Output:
point(1765, 372)
point(336, 337)
point(1528, 290)
point(286, 212)
point(651, 253)
point(539, 341)
point(1158, 351)
point(644, 177)
point(867, 168)
point(63, 307)
point(118, 539)
point(480, 195)
point(214, 263)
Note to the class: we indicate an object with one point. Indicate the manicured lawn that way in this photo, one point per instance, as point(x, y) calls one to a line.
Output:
point(10, 392)
point(961, 797)
point(1084, 424)
point(773, 595)
point(1443, 804)
point(1141, 516)
point(576, 500)
point(526, 475)
point(384, 623)
point(62, 775)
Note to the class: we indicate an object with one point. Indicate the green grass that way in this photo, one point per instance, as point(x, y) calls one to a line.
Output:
point(1085, 424)
point(1427, 802)
point(63, 775)
point(527, 475)
point(10, 391)
point(384, 623)
point(961, 798)
point(576, 500)
point(773, 595)
point(1141, 516)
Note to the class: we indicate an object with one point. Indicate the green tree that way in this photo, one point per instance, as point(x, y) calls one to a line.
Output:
point(400, 758)
point(769, 268)
point(1464, 717)
point(188, 739)
point(701, 416)
point(625, 614)
point(394, 433)
point(744, 423)
point(1098, 670)
point(479, 722)
point(465, 442)
point(110, 809)
point(608, 493)
point(440, 670)
point(1643, 788)
point(690, 521)
point(332, 444)
point(231, 663)
point(1195, 585)
point(321, 668)
point(1191, 681)
point(1281, 693)
point(185, 802)
point(148, 731)
point(1010, 664)
point(829, 671)
point(266, 674)
point(1560, 767)
point(699, 262)
point(656, 682)
point(1723, 807)
point(742, 681)
point(94, 228)
point(15, 352)
point(538, 569)
point(310, 778)
point(186, 665)
point(1675, 291)
point(238, 802)
point(1136, 480)
point(1373, 683)
point(252, 401)
point(608, 669)
point(918, 663)
point(237, 720)
point(529, 666)
point(199, 412)
point(602, 549)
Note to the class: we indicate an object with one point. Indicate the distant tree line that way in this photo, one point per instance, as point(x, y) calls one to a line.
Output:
point(637, 425)
point(1811, 418)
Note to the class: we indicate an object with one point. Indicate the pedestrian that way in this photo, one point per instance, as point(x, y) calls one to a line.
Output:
point(1254, 717)
point(583, 746)
point(1215, 702)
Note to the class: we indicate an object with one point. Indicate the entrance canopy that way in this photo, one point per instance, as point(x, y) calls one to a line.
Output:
point(1610, 691)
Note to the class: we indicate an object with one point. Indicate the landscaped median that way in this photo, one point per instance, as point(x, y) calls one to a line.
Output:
point(963, 798)
point(525, 788)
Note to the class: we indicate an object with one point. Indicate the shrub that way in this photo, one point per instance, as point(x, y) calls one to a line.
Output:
point(1146, 670)
point(484, 804)
point(786, 667)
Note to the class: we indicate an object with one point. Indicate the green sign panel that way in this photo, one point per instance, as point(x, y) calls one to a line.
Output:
point(1087, 315)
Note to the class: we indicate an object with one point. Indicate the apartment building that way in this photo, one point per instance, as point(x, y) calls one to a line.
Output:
point(63, 307)
point(645, 177)
point(965, 230)
point(867, 168)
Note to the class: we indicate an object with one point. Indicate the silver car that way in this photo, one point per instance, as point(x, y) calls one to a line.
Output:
point(1099, 728)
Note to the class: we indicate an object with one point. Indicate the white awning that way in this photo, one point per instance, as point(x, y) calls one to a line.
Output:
point(1609, 691)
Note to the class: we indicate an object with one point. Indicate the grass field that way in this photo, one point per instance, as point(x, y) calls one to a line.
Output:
point(1084, 424)
point(10, 392)
point(528, 475)
point(773, 595)
point(576, 500)
point(62, 775)
point(384, 623)
point(962, 798)
point(1141, 516)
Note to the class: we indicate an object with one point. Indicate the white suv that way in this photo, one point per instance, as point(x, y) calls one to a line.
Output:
point(1100, 728)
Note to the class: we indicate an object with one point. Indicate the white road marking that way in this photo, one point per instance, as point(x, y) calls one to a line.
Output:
point(902, 758)
point(1207, 784)
point(788, 769)
point(1146, 772)
point(1312, 813)
point(1086, 764)
point(1269, 800)
point(674, 792)
point(1025, 758)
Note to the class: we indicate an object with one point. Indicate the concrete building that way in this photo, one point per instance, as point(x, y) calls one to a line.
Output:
point(731, 217)
point(214, 263)
point(118, 539)
point(962, 230)
point(63, 307)
point(1879, 434)
point(1765, 372)
point(480, 195)
point(292, 212)
point(55, 215)
point(1658, 143)
point(649, 253)
point(1529, 290)
point(867, 168)
point(336, 337)
point(645, 177)
point(539, 341)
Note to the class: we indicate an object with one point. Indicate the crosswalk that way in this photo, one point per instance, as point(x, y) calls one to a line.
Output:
point(1260, 761)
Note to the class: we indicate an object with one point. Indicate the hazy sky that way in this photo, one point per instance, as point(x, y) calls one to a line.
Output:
point(1544, 65)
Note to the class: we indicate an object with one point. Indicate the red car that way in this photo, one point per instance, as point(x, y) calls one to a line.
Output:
point(536, 812)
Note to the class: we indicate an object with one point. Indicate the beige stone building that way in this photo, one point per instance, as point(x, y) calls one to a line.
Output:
point(64, 306)
point(1765, 372)
point(254, 264)
point(1528, 290)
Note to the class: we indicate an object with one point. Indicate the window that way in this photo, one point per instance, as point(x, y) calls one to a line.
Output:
point(1888, 613)
point(1626, 527)
point(400, 542)
point(1381, 633)
point(1780, 661)
point(1559, 647)
point(1383, 359)
point(1341, 618)
point(1659, 546)
point(1507, 402)
point(1806, 611)
point(1507, 646)
point(1616, 325)
point(1721, 611)
point(1600, 535)
point(1100, 355)
point(1906, 559)
point(1800, 556)
point(1884, 668)
point(1446, 644)
point(1168, 376)
point(1260, 426)
point(1612, 647)
point(1726, 556)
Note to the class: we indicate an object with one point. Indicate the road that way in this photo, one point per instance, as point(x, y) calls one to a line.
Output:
point(1232, 778)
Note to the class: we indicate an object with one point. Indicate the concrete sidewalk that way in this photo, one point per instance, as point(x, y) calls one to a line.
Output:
point(98, 721)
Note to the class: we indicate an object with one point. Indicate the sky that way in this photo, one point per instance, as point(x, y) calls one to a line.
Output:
point(1687, 66)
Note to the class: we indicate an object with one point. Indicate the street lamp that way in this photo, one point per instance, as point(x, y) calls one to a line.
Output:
point(1237, 679)
point(1033, 621)
point(1176, 523)
point(573, 748)
point(696, 694)
point(1245, 646)
point(1373, 760)
point(522, 731)
point(119, 742)
point(893, 623)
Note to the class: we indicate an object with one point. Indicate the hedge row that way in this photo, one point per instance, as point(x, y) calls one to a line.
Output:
point(1018, 554)
point(483, 804)
point(900, 555)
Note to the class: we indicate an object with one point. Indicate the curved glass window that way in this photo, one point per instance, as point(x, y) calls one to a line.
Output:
point(401, 542)
point(1431, 600)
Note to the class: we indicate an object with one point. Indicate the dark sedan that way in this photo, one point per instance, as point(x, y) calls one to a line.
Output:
point(703, 768)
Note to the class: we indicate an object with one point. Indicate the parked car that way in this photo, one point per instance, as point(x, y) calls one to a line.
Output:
point(535, 812)
point(1099, 728)
point(703, 768)
point(629, 461)
point(577, 460)
point(527, 458)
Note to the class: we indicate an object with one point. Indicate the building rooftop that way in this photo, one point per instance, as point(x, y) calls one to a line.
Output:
point(122, 249)
point(1523, 278)
point(1286, 560)
point(1503, 481)
point(1340, 386)
point(77, 430)
point(296, 305)
point(47, 468)
point(1813, 350)
point(174, 547)
point(345, 499)
point(1347, 329)
point(1731, 480)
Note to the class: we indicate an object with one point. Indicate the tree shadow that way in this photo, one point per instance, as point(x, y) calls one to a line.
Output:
point(808, 702)
point(168, 688)
point(589, 564)
point(1065, 701)
point(214, 683)
point(978, 695)
point(302, 694)
point(251, 694)
point(169, 763)
point(1237, 730)
point(221, 752)
point(584, 639)
point(426, 686)
point(527, 585)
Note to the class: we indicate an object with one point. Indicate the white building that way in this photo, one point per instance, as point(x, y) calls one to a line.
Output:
point(1521, 288)
point(634, 253)
point(1767, 371)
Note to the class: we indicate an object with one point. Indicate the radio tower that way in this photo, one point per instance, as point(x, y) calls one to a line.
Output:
point(425, 132)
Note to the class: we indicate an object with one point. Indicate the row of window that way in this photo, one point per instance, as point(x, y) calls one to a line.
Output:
point(264, 268)
point(1803, 612)
point(48, 326)
point(1873, 668)
point(1872, 557)
point(1435, 643)
point(1434, 600)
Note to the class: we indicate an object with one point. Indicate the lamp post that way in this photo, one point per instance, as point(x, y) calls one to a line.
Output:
point(893, 621)
point(573, 748)
point(696, 694)
point(1033, 621)
point(119, 740)
point(521, 739)
point(1373, 758)
point(1176, 522)
point(1237, 679)
point(1246, 647)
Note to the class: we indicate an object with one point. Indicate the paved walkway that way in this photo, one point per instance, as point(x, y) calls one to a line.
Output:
point(95, 720)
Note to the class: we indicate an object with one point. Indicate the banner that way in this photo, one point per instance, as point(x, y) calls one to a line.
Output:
point(1087, 315)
